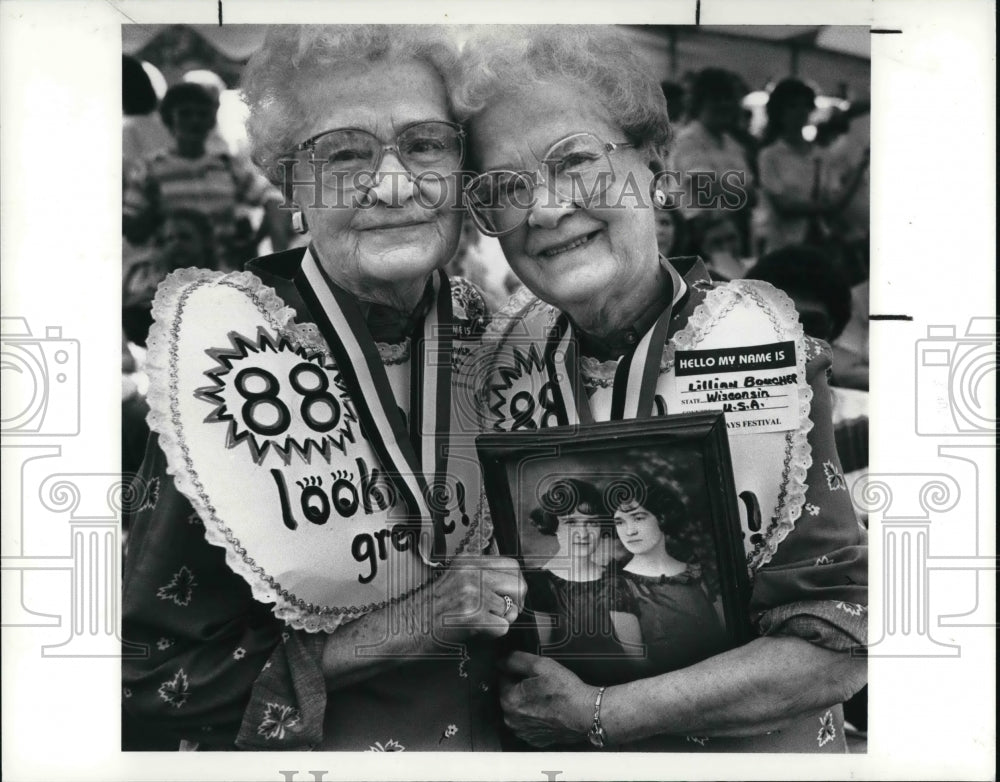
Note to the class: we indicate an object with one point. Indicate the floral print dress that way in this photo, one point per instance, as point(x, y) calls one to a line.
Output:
point(222, 672)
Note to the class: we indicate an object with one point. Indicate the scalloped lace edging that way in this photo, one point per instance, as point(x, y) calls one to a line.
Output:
point(718, 302)
point(168, 306)
point(798, 460)
point(168, 303)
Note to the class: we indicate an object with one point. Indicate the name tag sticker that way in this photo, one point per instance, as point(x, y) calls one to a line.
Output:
point(756, 386)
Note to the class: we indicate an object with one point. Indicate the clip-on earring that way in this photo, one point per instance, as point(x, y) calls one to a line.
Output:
point(660, 197)
point(299, 222)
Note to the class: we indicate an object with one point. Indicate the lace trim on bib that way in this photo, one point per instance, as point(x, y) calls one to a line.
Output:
point(391, 353)
point(168, 305)
point(718, 302)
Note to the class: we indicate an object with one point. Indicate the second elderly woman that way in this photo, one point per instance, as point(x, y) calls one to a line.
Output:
point(364, 113)
point(568, 133)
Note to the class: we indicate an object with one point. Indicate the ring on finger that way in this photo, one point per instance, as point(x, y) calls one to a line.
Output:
point(508, 604)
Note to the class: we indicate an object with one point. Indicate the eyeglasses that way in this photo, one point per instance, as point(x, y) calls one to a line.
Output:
point(577, 169)
point(352, 156)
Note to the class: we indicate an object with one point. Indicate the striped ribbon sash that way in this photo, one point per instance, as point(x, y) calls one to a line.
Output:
point(415, 459)
point(633, 394)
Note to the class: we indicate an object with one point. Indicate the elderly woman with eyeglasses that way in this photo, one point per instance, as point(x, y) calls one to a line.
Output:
point(568, 132)
point(358, 119)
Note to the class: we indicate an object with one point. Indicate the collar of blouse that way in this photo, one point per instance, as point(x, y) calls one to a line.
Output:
point(617, 343)
point(390, 325)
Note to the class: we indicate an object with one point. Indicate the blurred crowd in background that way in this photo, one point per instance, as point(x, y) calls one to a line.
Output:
point(768, 182)
point(802, 219)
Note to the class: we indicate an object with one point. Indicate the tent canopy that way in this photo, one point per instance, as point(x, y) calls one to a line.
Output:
point(836, 59)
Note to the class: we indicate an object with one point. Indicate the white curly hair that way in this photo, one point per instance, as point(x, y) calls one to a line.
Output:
point(498, 59)
point(295, 55)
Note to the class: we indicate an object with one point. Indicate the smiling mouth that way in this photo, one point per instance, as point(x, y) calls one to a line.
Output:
point(394, 226)
point(562, 248)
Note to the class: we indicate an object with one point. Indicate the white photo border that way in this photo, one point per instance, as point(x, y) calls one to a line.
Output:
point(933, 244)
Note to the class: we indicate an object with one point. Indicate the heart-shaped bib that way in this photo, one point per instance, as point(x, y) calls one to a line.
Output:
point(261, 435)
point(741, 352)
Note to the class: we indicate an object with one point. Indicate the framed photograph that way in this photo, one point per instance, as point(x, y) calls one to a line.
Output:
point(629, 537)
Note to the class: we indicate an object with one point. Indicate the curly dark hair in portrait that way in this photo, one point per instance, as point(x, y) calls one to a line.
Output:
point(680, 516)
point(666, 505)
point(564, 497)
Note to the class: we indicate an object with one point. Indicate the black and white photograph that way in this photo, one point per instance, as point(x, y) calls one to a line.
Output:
point(630, 542)
point(579, 223)
point(344, 167)
point(537, 385)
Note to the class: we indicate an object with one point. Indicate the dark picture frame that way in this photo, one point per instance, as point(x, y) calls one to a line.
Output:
point(683, 457)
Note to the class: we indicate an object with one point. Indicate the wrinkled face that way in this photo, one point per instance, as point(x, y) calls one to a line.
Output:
point(578, 534)
point(397, 230)
point(638, 529)
point(571, 255)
